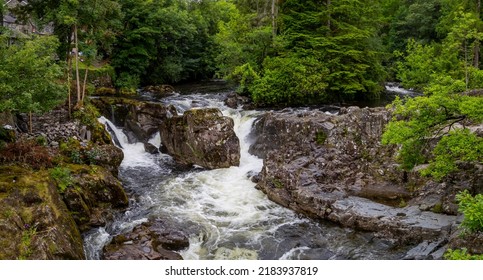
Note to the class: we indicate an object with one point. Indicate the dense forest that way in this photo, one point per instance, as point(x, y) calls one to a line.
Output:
point(278, 52)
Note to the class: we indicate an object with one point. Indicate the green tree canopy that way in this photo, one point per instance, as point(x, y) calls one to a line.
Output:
point(29, 75)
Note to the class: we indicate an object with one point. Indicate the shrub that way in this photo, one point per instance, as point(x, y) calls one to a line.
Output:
point(472, 208)
point(27, 152)
point(461, 254)
point(62, 177)
point(290, 81)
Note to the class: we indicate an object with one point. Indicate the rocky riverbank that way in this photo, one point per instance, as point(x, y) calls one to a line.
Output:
point(333, 167)
point(57, 180)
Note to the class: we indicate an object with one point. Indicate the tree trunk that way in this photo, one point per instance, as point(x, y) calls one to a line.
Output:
point(329, 3)
point(477, 45)
point(476, 59)
point(467, 78)
point(76, 42)
point(274, 18)
point(69, 71)
point(30, 122)
point(85, 84)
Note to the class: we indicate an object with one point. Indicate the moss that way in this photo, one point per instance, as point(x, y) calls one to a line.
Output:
point(320, 137)
point(437, 208)
point(25, 245)
point(402, 203)
point(105, 91)
point(277, 184)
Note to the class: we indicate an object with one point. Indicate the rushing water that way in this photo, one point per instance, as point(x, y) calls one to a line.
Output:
point(223, 213)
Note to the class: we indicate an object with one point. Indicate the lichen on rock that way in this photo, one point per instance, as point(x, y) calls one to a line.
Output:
point(203, 137)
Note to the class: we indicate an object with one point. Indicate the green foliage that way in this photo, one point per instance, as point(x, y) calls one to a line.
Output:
point(320, 137)
point(166, 41)
point(244, 40)
point(419, 121)
point(29, 76)
point(472, 208)
point(62, 177)
point(311, 53)
point(290, 81)
point(458, 145)
point(245, 76)
point(87, 115)
point(26, 242)
point(41, 141)
point(461, 254)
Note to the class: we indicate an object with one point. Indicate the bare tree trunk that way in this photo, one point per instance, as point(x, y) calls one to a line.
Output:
point(467, 78)
point(77, 64)
point(329, 3)
point(476, 59)
point(477, 45)
point(69, 71)
point(85, 84)
point(274, 19)
point(30, 122)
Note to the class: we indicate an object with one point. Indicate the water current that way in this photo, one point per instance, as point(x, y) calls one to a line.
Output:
point(223, 213)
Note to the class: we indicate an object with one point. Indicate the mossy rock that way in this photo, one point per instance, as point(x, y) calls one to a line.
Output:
point(94, 195)
point(34, 221)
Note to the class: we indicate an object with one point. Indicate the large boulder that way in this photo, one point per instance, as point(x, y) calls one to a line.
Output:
point(334, 167)
point(203, 137)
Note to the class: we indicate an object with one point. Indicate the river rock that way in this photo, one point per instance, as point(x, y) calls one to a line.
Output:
point(154, 240)
point(35, 223)
point(203, 137)
point(140, 119)
point(234, 100)
point(334, 167)
point(150, 148)
point(93, 196)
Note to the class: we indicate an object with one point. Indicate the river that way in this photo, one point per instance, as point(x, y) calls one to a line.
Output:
point(225, 216)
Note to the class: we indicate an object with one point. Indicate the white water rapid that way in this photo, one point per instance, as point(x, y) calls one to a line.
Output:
point(223, 213)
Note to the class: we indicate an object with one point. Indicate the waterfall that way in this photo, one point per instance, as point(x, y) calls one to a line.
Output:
point(226, 217)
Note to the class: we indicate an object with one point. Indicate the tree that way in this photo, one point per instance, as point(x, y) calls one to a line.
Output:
point(335, 41)
point(442, 117)
point(89, 23)
point(30, 76)
point(167, 41)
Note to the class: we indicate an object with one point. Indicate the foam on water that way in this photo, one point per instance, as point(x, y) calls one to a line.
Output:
point(225, 216)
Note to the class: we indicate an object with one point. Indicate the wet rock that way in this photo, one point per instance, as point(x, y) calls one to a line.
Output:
point(160, 91)
point(35, 223)
point(203, 137)
point(233, 100)
point(154, 240)
point(334, 167)
point(93, 196)
point(107, 156)
point(140, 119)
point(150, 148)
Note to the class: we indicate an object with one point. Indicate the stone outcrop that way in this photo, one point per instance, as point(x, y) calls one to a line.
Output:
point(93, 196)
point(333, 167)
point(203, 137)
point(140, 119)
point(34, 222)
point(154, 240)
